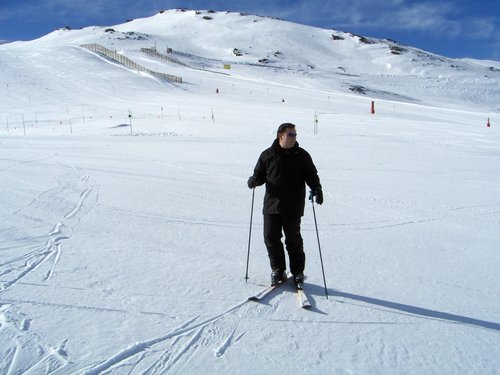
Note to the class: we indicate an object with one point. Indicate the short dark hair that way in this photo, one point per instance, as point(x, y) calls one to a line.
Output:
point(283, 127)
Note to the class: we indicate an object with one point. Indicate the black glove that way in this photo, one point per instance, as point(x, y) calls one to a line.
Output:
point(318, 193)
point(252, 182)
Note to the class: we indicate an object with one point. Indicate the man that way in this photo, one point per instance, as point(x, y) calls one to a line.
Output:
point(285, 168)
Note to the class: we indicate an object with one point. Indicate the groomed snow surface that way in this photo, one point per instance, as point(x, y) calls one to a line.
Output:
point(123, 248)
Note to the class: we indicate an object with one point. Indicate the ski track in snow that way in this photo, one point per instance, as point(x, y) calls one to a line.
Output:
point(78, 206)
point(174, 350)
point(31, 256)
point(55, 359)
point(15, 357)
point(175, 355)
point(18, 267)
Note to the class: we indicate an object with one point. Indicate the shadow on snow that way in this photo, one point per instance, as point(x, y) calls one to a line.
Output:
point(413, 310)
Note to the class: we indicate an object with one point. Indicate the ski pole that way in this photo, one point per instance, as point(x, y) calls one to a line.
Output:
point(319, 245)
point(250, 234)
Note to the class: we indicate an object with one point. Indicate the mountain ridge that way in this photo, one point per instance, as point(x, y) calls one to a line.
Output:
point(337, 60)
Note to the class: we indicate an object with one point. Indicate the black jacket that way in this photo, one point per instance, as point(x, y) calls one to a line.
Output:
point(285, 173)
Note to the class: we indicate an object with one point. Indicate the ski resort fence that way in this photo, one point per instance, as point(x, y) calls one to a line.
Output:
point(119, 58)
point(153, 52)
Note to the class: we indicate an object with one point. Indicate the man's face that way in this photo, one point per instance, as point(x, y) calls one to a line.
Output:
point(288, 138)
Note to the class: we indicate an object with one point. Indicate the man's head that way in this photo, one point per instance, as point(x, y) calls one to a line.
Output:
point(287, 135)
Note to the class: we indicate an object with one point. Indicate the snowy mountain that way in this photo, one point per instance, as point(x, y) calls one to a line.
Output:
point(264, 47)
point(125, 211)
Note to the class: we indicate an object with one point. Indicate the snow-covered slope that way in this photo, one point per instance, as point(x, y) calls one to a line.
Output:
point(333, 60)
point(125, 211)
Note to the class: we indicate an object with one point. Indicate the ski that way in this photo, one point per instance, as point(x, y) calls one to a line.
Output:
point(264, 292)
point(302, 297)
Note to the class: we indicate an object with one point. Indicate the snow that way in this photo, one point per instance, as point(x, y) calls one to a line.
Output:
point(123, 249)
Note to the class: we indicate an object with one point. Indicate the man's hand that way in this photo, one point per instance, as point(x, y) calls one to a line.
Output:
point(252, 182)
point(318, 194)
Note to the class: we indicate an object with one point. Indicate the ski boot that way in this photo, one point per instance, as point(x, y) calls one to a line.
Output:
point(277, 277)
point(299, 280)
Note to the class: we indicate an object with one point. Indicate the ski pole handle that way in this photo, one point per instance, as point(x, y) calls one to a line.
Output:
point(311, 195)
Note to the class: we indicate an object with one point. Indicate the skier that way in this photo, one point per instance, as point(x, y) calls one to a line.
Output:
point(285, 168)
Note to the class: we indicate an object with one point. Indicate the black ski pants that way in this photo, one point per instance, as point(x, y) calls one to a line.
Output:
point(274, 227)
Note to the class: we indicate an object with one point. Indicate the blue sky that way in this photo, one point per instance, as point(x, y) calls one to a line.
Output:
point(451, 28)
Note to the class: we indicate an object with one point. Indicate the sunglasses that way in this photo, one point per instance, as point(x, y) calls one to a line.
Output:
point(291, 134)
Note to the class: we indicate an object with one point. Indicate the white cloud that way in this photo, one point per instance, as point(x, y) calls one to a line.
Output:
point(67, 9)
point(438, 18)
point(480, 28)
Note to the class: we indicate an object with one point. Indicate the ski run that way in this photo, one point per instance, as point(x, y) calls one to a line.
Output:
point(125, 208)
